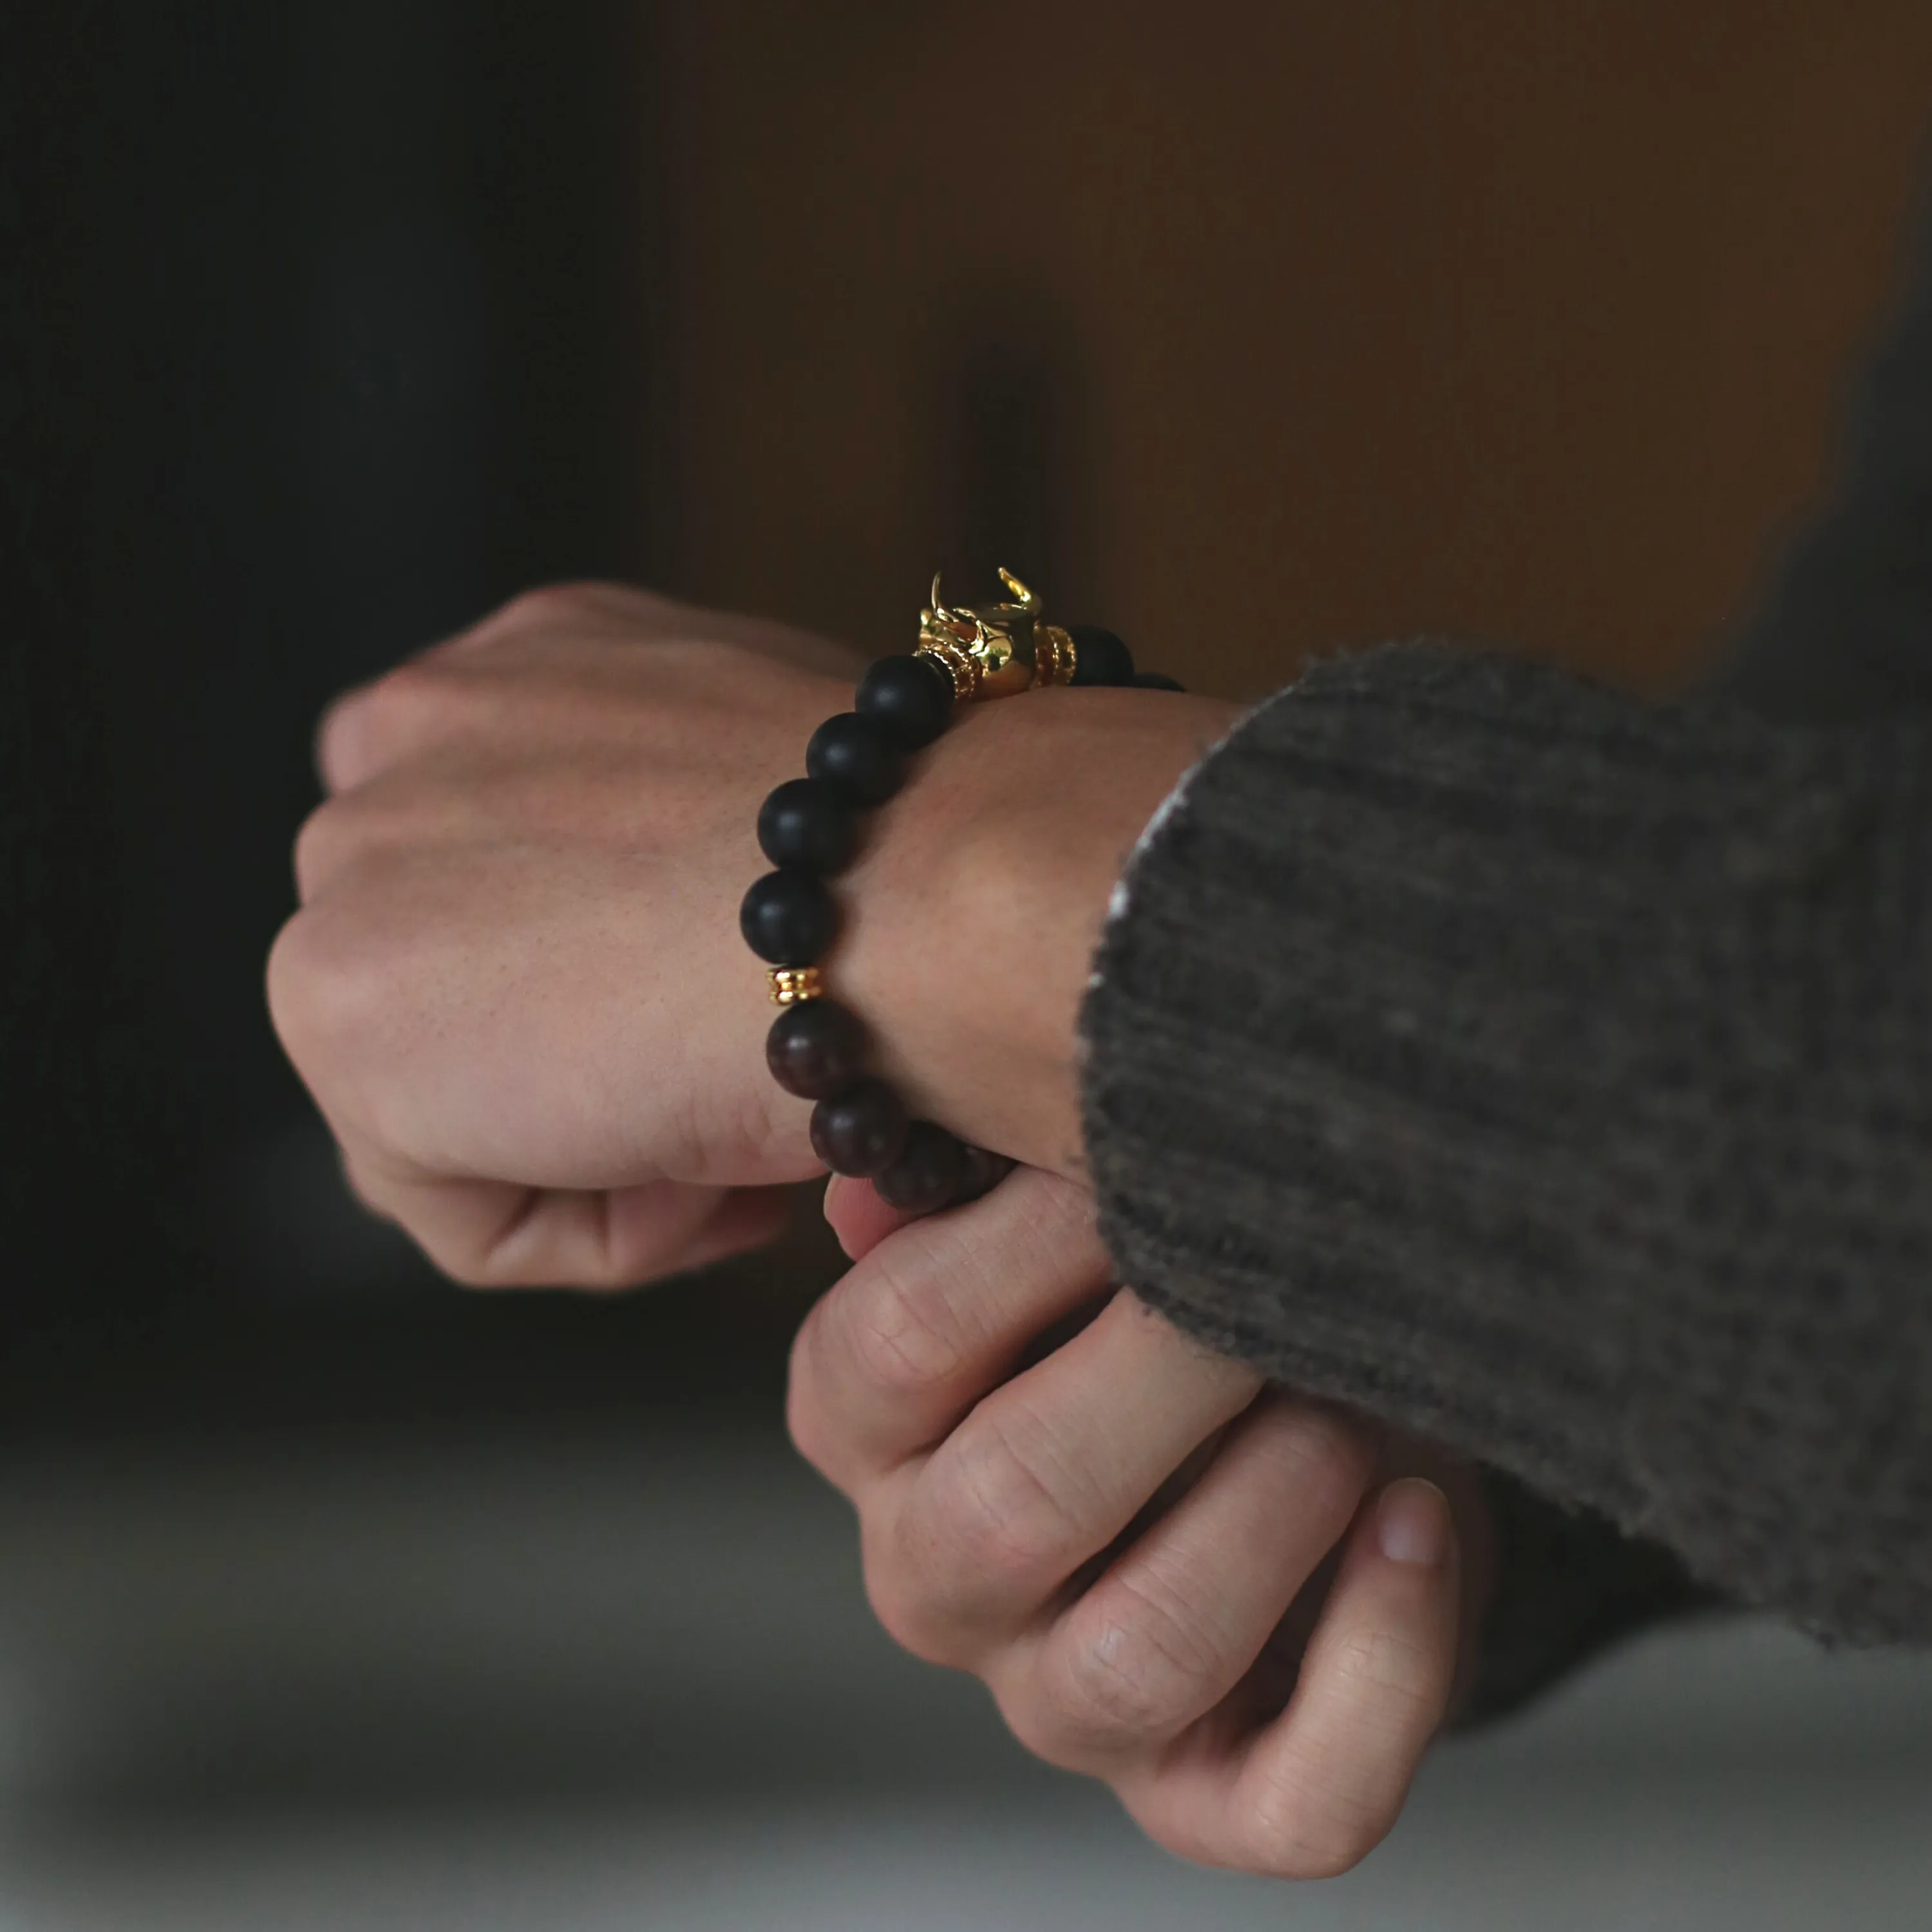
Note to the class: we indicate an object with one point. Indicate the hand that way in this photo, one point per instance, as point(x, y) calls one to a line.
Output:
point(516, 986)
point(1209, 1594)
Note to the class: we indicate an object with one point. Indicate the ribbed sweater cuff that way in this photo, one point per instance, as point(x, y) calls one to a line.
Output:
point(1531, 1068)
point(1281, 1033)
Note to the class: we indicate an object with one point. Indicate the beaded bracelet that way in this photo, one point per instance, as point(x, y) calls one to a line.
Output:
point(809, 828)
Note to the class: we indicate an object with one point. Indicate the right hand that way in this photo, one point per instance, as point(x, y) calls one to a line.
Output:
point(1240, 1609)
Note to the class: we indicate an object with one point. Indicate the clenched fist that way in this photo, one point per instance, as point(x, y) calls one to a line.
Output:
point(516, 986)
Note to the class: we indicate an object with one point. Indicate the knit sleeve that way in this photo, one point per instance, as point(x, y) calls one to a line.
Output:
point(1551, 1075)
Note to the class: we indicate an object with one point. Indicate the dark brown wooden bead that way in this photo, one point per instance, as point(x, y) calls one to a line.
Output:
point(861, 1131)
point(816, 1048)
point(980, 1173)
point(1099, 656)
point(927, 1172)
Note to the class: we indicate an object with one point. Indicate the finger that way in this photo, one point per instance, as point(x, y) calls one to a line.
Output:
point(743, 1220)
point(1315, 1791)
point(486, 1234)
point(444, 693)
point(1177, 1621)
point(964, 1550)
point(430, 698)
point(860, 1217)
point(624, 613)
point(893, 1357)
point(426, 703)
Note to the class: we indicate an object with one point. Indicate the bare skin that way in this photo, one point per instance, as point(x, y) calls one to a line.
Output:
point(516, 989)
point(1240, 1610)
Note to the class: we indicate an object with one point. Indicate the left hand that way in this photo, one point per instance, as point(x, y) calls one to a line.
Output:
point(1243, 1611)
point(516, 986)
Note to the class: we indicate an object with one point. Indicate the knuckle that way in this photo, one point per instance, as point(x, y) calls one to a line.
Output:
point(338, 993)
point(978, 1544)
point(900, 1327)
point(1300, 1826)
point(567, 605)
point(544, 606)
point(422, 689)
point(1132, 1674)
point(986, 1519)
point(304, 966)
point(1331, 1455)
point(321, 845)
point(1389, 1672)
point(353, 740)
point(1197, 1843)
point(341, 739)
point(908, 1609)
point(351, 827)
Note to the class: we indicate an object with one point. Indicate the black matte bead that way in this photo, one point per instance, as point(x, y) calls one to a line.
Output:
point(815, 1048)
point(980, 1173)
point(927, 1174)
point(856, 758)
point(909, 699)
point(1099, 656)
point(788, 918)
point(806, 824)
point(860, 1131)
point(1154, 680)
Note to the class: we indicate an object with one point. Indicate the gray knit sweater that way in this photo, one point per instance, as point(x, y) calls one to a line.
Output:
point(1550, 1073)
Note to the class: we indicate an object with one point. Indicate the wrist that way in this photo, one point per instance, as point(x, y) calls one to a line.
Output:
point(973, 914)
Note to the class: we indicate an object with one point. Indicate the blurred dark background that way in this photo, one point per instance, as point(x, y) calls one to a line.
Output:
point(327, 327)
point(1259, 330)
point(1255, 330)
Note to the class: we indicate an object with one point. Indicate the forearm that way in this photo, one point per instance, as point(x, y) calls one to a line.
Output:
point(973, 914)
point(1550, 1076)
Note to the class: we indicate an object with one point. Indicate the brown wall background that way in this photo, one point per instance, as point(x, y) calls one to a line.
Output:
point(1254, 331)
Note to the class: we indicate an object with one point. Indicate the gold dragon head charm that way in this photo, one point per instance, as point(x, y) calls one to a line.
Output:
point(997, 651)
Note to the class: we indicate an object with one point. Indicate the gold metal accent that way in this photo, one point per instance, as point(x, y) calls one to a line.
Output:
point(989, 653)
point(956, 664)
point(1054, 655)
point(792, 984)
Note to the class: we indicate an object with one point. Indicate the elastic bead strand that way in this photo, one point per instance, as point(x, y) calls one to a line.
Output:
point(816, 1050)
point(860, 1132)
point(927, 1175)
point(809, 829)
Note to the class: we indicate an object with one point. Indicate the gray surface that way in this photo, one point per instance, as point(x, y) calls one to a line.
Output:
point(602, 1684)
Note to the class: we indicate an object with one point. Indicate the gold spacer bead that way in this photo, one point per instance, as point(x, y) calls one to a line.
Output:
point(957, 664)
point(1053, 656)
point(793, 985)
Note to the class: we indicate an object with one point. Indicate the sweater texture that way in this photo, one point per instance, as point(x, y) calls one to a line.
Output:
point(1550, 1073)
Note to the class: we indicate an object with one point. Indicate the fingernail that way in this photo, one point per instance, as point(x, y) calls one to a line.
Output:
point(1412, 1523)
